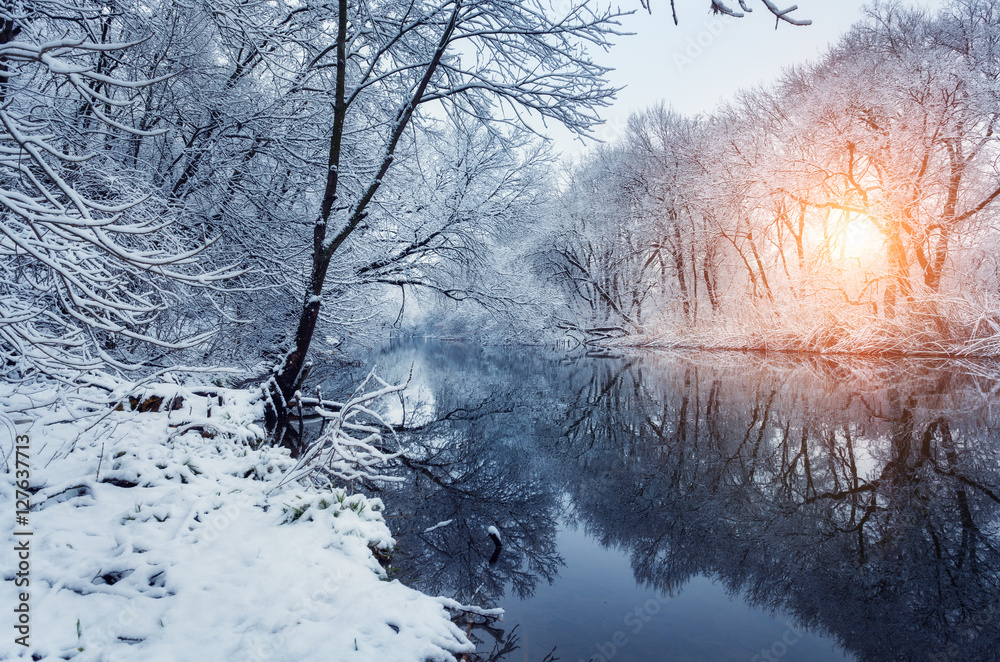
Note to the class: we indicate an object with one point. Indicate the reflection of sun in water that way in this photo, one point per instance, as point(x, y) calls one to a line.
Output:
point(861, 239)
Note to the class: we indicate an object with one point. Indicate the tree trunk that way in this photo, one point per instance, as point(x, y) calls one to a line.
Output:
point(285, 381)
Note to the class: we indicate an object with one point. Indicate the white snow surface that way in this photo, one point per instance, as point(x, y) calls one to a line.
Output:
point(197, 561)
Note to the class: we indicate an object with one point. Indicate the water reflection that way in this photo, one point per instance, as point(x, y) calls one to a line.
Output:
point(859, 498)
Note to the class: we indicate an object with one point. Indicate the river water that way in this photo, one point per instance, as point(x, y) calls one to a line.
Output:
point(704, 507)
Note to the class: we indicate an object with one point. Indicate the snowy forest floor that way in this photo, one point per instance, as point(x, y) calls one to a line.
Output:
point(166, 536)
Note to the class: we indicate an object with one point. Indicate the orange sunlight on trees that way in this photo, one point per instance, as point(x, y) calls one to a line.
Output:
point(851, 207)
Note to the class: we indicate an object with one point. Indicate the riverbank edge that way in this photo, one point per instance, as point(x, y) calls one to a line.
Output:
point(891, 348)
point(158, 532)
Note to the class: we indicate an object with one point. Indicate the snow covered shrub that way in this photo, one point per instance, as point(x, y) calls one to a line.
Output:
point(350, 447)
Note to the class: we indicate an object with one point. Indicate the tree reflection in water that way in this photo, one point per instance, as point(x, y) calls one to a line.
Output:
point(861, 498)
point(462, 436)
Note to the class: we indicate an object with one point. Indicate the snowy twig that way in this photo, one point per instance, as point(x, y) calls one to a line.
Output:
point(348, 449)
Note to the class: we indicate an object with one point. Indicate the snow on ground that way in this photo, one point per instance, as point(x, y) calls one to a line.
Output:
point(160, 543)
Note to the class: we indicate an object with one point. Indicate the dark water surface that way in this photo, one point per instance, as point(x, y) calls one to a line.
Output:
point(702, 507)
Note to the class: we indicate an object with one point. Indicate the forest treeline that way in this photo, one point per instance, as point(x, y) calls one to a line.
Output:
point(224, 182)
point(850, 206)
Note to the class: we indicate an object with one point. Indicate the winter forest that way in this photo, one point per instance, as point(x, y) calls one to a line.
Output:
point(213, 213)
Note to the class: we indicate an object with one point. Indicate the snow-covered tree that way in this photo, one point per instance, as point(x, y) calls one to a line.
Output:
point(904, 133)
point(785, 14)
point(386, 66)
point(859, 190)
point(450, 212)
point(88, 261)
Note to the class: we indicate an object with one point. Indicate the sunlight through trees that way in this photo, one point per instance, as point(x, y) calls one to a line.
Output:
point(848, 207)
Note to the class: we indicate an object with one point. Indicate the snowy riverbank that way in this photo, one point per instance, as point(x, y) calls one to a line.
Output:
point(940, 328)
point(163, 536)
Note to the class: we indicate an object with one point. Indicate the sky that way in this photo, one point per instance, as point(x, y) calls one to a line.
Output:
point(706, 59)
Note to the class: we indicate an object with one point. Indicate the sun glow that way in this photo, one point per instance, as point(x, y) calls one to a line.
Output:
point(859, 239)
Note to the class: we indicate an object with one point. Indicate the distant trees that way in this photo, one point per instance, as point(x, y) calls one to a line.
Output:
point(593, 256)
point(670, 207)
point(856, 191)
point(909, 146)
point(450, 212)
point(632, 241)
